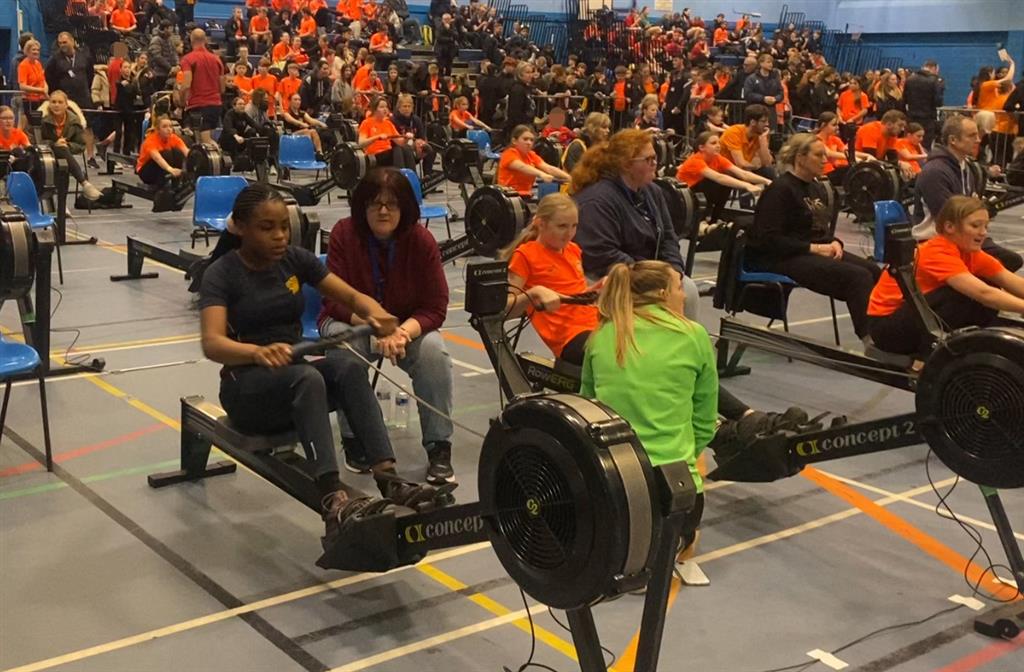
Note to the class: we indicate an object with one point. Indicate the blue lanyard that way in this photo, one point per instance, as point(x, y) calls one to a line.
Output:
point(378, 278)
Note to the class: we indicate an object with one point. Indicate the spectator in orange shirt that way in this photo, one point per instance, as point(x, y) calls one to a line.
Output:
point(11, 139)
point(31, 79)
point(380, 41)
point(462, 120)
point(259, 32)
point(835, 149)
point(361, 80)
point(266, 81)
point(241, 81)
point(162, 155)
point(380, 138)
point(992, 95)
point(307, 30)
point(519, 166)
point(721, 36)
point(706, 171)
point(123, 19)
point(746, 144)
point(282, 49)
point(911, 149)
point(556, 128)
point(288, 85)
point(852, 106)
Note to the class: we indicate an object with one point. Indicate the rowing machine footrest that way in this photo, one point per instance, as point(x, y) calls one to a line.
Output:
point(906, 361)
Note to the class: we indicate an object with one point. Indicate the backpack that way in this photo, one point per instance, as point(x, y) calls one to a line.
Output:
point(110, 198)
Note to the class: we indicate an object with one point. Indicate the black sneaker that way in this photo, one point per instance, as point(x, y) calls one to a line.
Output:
point(355, 464)
point(93, 164)
point(440, 469)
point(338, 510)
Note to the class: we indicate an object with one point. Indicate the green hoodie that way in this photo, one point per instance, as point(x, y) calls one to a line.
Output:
point(668, 388)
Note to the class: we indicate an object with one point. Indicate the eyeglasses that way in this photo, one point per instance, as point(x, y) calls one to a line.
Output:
point(650, 160)
point(390, 206)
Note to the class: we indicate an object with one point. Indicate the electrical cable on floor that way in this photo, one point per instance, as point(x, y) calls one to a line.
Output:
point(82, 358)
point(533, 643)
point(604, 649)
point(943, 510)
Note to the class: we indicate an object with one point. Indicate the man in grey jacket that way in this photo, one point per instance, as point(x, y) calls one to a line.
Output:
point(764, 87)
point(163, 57)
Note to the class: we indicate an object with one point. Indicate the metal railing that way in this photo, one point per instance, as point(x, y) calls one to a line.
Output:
point(997, 143)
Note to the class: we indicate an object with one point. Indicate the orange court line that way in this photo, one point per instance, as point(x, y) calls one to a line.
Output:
point(462, 340)
point(922, 540)
point(84, 450)
point(984, 656)
point(627, 661)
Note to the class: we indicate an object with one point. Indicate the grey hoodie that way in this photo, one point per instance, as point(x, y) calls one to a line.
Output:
point(941, 177)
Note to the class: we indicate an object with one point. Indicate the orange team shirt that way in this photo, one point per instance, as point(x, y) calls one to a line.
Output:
point(255, 4)
point(619, 95)
point(907, 145)
point(459, 119)
point(378, 40)
point(17, 138)
point(663, 92)
point(872, 136)
point(987, 94)
point(297, 54)
point(307, 27)
point(989, 98)
point(351, 9)
point(259, 24)
point(152, 142)
point(938, 260)
point(721, 35)
point(371, 127)
point(560, 272)
point(288, 87)
point(735, 140)
point(128, 5)
point(836, 144)
point(315, 6)
point(361, 78)
point(280, 52)
point(268, 83)
point(122, 18)
point(278, 5)
point(369, 10)
point(244, 86)
point(520, 181)
point(849, 105)
point(691, 169)
point(705, 103)
point(30, 73)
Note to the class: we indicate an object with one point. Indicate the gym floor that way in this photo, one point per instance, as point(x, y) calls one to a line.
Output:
point(100, 572)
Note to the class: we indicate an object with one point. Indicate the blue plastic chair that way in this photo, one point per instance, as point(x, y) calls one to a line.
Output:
point(887, 213)
point(22, 192)
point(547, 188)
point(311, 311)
point(296, 152)
point(15, 359)
point(483, 140)
point(215, 197)
point(427, 212)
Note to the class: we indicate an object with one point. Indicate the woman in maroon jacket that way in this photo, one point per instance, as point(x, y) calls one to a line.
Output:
point(381, 250)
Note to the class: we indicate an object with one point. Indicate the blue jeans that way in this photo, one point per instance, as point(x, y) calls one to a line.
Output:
point(427, 363)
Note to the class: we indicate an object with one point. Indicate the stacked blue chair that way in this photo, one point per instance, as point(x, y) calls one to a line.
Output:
point(16, 359)
point(311, 310)
point(483, 141)
point(22, 192)
point(887, 213)
point(427, 212)
point(215, 198)
point(296, 152)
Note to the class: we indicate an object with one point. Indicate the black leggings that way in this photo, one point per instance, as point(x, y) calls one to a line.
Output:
point(729, 406)
point(1010, 260)
point(849, 279)
point(152, 173)
point(901, 333)
point(716, 195)
point(261, 400)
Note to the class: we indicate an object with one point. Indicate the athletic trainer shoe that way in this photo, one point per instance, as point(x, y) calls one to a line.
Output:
point(355, 464)
point(440, 469)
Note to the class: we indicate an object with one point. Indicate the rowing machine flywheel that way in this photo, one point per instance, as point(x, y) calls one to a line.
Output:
point(568, 498)
point(207, 160)
point(43, 167)
point(683, 207)
point(970, 404)
point(305, 226)
point(870, 181)
point(17, 254)
point(349, 165)
point(458, 157)
point(494, 217)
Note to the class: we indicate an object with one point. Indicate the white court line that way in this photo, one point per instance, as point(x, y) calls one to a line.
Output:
point(472, 367)
point(827, 318)
point(908, 500)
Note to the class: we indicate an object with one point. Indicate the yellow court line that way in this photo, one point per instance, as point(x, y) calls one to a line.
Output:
point(498, 609)
point(126, 345)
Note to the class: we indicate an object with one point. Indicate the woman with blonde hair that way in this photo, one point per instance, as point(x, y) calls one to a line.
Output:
point(657, 370)
point(888, 95)
point(596, 128)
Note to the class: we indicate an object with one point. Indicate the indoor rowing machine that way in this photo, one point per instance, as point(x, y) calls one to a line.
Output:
point(202, 160)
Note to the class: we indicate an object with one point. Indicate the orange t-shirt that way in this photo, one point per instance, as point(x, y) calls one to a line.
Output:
point(938, 260)
point(691, 169)
point(735, 140)
point(123, 18)
point(989, 98)
point(259, 24)
point(872, 136)
point(707, 91)
point(619, 96)
point(721, 35)
point(244, 86)
point(350, 9)
point(268, 83)
point(907, 145)
point(287, 87)
point(560, 272)
point(307, 27)
point(378, 40)
point(850, 105)
point(30, 73)
point(298, 55)
point(836, 144)
point(17, 138)
point(509, 177)
point(371, 127)
point(459, 119)
point(152, 142)
point(280, 52)
point(987, 93)
point(361, 78)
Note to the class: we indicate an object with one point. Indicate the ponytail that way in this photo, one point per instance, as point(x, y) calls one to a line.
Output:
point(549, 207)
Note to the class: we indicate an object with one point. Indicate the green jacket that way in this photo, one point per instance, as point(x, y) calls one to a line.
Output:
point(74, 131)
point(667, 390)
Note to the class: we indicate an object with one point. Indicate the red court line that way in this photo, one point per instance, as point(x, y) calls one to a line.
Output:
point(85, 450)
point(984, 656)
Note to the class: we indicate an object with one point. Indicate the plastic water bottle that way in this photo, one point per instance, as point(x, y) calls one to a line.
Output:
point(386, 400)
point(400, 418)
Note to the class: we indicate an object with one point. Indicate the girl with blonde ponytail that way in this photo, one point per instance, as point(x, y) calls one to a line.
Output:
point(655, 368)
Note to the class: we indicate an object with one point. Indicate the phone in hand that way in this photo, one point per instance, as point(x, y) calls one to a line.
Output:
point(1003, 55)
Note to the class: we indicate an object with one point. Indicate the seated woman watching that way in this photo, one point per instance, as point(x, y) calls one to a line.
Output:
point(836, 150)
point(381, 251)
point(381, 140)
point(792, 234)
point(963, 285)
point(597, 127)
point(657, 370)
point(64, 130)
point(298, 122)
point(251, 306)
point(708, 172)
point(237, 128)
point(162, 155)
point(520, 166)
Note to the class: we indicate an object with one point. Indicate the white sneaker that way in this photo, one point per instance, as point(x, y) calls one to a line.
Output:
point(691, 574)
point(90, 192)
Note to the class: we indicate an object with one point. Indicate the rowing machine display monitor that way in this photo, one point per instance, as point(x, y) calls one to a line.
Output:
point(486, 287)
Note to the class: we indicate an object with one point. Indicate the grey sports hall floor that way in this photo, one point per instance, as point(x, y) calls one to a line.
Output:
point(99, 572)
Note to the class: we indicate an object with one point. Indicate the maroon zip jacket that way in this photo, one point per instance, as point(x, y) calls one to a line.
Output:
point(413, 284)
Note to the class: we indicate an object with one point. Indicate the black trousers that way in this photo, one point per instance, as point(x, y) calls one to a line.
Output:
point(901, 333)
point(153, 174)
point(716, 195)
point(849, 279)
point(1008, 258)
point(260, 400)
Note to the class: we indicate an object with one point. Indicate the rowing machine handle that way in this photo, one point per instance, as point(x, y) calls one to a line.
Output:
point(305, 348)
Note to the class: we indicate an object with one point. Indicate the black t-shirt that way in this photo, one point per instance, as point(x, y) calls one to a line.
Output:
point(266, 306)
point(790, 215)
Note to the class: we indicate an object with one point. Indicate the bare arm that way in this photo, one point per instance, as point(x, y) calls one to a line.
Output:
point(538, 296)
point(524, 167)
point(748, 176)
point(554, 171)
point(992, 297)
point(218, 347)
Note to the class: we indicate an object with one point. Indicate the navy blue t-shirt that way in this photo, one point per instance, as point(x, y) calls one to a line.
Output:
point(265, 306)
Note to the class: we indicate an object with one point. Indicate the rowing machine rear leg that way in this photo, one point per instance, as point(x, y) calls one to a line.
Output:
point(729, 367)
point(135, 259)
point(195, 454)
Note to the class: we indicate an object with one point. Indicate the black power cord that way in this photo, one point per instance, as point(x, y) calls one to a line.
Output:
point(533, 643)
